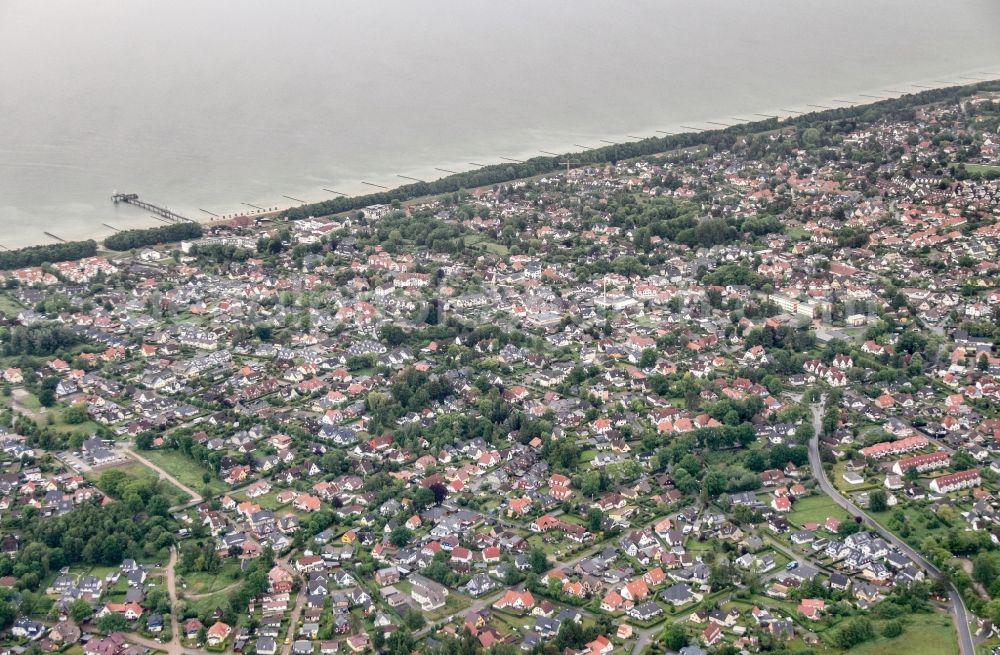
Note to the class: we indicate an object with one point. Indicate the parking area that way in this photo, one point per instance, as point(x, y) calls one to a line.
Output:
point(82, 463)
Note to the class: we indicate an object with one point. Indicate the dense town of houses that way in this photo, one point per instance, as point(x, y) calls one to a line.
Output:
point(277, 370)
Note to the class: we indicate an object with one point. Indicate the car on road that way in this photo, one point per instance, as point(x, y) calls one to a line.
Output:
point(791, 565)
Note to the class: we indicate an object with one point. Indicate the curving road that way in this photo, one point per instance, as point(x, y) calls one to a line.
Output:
point(959, 614)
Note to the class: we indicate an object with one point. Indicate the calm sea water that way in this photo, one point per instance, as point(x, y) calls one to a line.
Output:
point(209, 104)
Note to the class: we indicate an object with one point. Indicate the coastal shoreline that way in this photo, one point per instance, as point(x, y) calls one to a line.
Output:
point(355, 189)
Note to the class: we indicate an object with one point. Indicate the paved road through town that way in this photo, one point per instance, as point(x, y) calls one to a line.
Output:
point(958, 612)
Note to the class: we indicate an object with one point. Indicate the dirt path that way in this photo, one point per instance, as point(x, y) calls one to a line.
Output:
point(17, 397)
point(966, 565)
point(231, 585)
point(175, 632)
point(172, 647)
point(196, 498)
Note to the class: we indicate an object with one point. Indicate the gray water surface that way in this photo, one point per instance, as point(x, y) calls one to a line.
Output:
point(210, 104)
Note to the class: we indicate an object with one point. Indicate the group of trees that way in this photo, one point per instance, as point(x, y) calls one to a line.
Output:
point(91, 534)
point(421, 229)
point(137, 494)
point(49, 253)
point(784, 337)
point(37, 339)
point(410, 391)
point(221, 253)
point(128, 239)
point(198, 557)
point(734, 274)
point(708, 233)
point(853, 633)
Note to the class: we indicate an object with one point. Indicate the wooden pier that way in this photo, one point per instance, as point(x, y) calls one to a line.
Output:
point(161, 212)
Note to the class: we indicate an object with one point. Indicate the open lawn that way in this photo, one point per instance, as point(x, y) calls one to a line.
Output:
point(139, 471)
point(58, 418)
point(267, 501)
point(796, 232)
point(511, 624)
point(815, 509)
point(981, 168)
point(837, 477)
point(29, 401)
point(208, 604)
point(9, 306)
point(916, 521)
point(207, 583)
point(481, 242)
point(185, 469)
point(453, 604)
point(924, 635)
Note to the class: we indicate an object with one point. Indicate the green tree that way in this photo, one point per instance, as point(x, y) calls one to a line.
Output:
point(112, 622)
point(962, 460)
point(892, 629)
point(674, 637)
point(538, 560)
point(853, 632)
point(75, 415)
point(878, 501)
point(80, 610)
point(47, 397)
point(400, 536)
point(144, 440)
point(594, 519)
point(7, 614)
point(715, 483)
point(985, 569)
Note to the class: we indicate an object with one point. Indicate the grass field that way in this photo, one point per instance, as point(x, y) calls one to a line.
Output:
point(139, 471)
point(481, 242)
point(9, 306)
point(915, 519)
point(981, 168)
point(925, 635)
point(184, 469)
point(267, 501)
point(30, 401)
point(837, 478)
point(87, 428)
point(208, 604)
point(796, 232)
point(815, 509)
point(207, 583)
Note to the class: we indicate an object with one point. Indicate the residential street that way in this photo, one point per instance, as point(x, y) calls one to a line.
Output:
point(293, 626)
point(958, 611)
